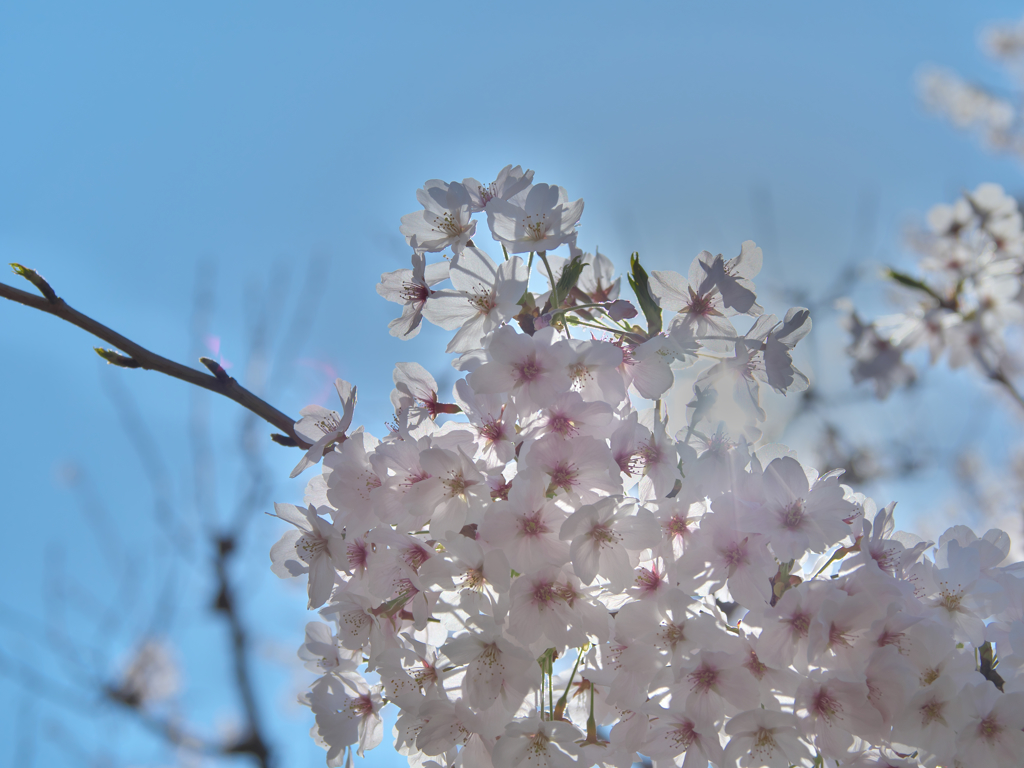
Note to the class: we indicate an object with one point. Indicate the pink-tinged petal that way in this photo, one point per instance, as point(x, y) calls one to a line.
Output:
point(321, 581)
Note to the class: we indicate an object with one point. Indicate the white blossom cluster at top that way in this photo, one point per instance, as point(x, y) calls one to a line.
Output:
point(703, 601)
point(994, 115)
point(970, 294)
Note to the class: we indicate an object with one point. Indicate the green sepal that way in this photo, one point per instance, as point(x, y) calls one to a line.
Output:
point(650, 308)
point(987, 663)
point(570, 276)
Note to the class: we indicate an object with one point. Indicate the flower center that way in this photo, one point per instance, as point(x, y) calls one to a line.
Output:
point(415, 557)
point(415, 293)
point(562, 425)
point(483, 302)
point(448, 224)
point(757, 668)
point(329, 423)
point(989, 729)
point(673, 634)
point(735, 554)
point(456, 485)
point(527, 371)
point(932, 712)
point(564, 476)
point(793, 515)
point(308, 547)
point(579, 373)
point(764, 741)
point(800, 623)
point(603, 534)
point(683, 736)
point(826, 706)
point(492, 431)
point(700, 305)
point(703, 679)
point(677, 526)
point(545, 593)
point(648, 581)
point(536, 228)
point(533, 525)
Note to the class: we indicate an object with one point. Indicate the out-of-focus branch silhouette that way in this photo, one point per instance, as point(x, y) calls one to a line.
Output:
point(205, 549)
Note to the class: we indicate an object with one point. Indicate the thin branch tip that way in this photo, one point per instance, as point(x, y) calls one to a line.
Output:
point(113, 357)
point(37, 280)
point(216, 369)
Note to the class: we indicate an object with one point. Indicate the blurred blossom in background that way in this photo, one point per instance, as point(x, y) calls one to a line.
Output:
point(228, 180)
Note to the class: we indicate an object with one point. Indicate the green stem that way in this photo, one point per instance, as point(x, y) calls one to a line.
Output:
point(551, 689)
point(607, 329)
point(555, 303)
point(560, 707)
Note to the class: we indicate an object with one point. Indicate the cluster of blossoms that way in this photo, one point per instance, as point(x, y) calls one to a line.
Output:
point(969, 106)
point(543, 573)
point(971, 293)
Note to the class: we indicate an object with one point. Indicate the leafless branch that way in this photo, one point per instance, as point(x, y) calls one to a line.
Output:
point(137, 356)
point(252, 742)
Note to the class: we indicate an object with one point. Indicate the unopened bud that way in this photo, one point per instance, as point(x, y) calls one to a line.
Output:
point(114, 357)
point(37, 280)
point(621, 310)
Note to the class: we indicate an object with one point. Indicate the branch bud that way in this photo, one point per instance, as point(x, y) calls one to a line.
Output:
point(215, 369)
point(37, 280)
point(114, 357)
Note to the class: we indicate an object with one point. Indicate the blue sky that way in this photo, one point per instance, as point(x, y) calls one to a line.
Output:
point(265, 153)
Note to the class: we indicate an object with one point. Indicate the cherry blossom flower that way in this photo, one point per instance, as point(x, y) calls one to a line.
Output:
point(534, 742)
point(838, 710)
point(313, 548)
point(531, 368)
point(797, 515)
point(445, 221)
point(496, 670)
point(485, 295)
point(415, 397)
point(607, 538)
point(765, 738)
point(511, 181)
point(526, 526)
point(539, 218)
point(993, 733)
point(346, 712)
point(324, 427)
point(411, 289)
point(581, 468)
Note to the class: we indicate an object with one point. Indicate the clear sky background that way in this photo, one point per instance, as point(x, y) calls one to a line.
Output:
point(253, 160)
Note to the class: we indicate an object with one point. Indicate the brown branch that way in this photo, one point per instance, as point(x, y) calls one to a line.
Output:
point(136, 356)
point(49, 689)
point(1001, 378)
point(252, 742)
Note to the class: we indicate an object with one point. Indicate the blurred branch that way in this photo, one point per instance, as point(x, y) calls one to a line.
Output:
point(136, 356)
point(999, 377)
point(252, 742)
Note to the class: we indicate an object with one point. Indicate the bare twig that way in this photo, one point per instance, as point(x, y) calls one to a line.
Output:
point(136, 356)
point(252, 742)
point(1000, 377)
